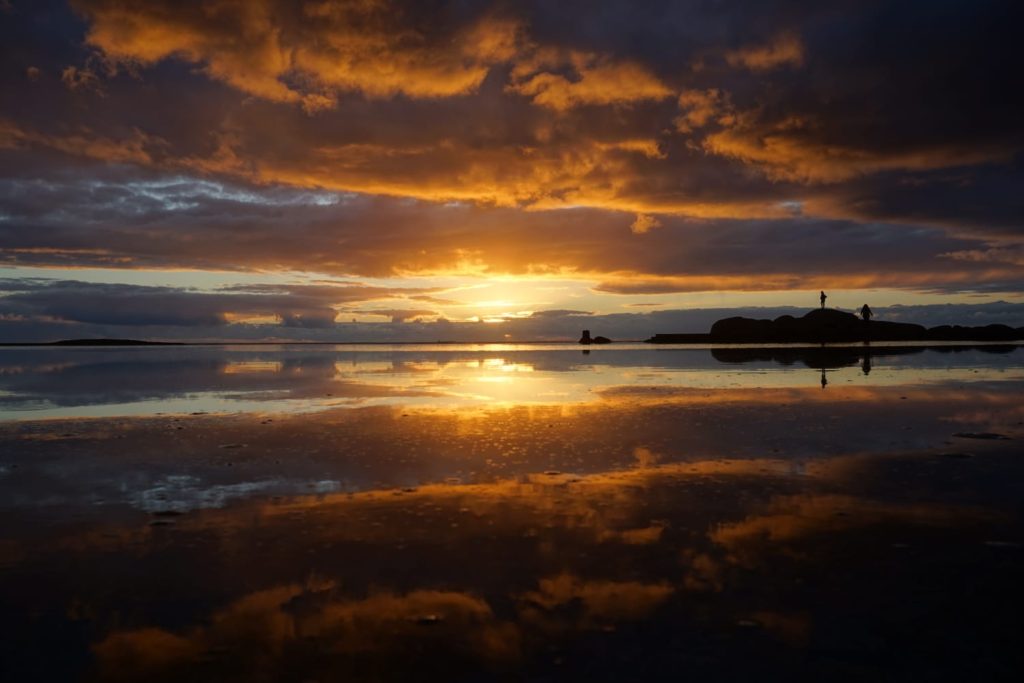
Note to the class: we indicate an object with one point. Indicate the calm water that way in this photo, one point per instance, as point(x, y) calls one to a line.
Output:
point(469, 513)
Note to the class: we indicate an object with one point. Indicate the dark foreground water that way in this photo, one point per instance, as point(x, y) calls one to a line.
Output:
point(475, 513)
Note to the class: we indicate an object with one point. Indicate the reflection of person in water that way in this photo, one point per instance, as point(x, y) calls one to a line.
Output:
point(866, 365)
point(865, 313)
point(824, 380)
point(823, 297)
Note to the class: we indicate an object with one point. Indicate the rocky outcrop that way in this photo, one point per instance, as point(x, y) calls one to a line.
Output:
point(587, 339)
point(818, 326)
point(828, 325)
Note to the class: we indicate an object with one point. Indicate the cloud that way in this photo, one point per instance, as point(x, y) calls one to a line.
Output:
point(133, 146)
point(290, 306)
point(784, 50)
point(532, 109)
point(700, 107)
point(397, 315)
point(644, 223)
point(591, 81)
point(78, 79)
point(116, 219)
point(794, 149)
point(306, 53)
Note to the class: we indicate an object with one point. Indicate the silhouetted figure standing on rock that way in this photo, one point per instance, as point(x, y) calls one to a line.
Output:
point(866, 313)
point(823, 297)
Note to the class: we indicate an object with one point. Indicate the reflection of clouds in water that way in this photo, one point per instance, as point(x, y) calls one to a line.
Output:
point(261, 631)
point(794, 518)
point(258, 632)
point(144, 381)
point(337, 622)
point(602, 601)
point(182, 493)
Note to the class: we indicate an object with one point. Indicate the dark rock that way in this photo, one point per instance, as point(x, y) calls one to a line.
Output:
point(818, 326)
point(826, 325)
point(587, 339)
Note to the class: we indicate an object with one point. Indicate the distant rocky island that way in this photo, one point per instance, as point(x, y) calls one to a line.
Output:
point(828, 325)
point(98, 342)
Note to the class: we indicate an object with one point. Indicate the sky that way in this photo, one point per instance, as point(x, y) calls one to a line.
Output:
point(373, 170)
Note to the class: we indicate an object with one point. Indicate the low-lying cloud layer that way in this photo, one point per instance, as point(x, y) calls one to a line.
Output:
point(45, 310)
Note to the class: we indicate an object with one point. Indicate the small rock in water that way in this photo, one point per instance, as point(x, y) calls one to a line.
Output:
point(428, 619)
point(982, 435)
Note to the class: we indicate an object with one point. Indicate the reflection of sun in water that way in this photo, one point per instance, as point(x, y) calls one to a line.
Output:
point(508, 370)
point(250, 366)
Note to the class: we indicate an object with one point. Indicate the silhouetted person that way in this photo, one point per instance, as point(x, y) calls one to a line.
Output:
point(866, 313)
point(823, 297)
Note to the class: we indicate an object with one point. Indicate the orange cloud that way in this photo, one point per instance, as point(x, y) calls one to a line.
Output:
point(303, 53)
point(136, 148)
point(595, 81)
point(794, 149)
point(644, 223)
point(785, 50)
point(700, 107)
point(309, 55)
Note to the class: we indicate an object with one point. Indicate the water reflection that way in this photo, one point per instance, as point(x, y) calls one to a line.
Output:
point(140, 381)
point(633, 572)
point(511, 514)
